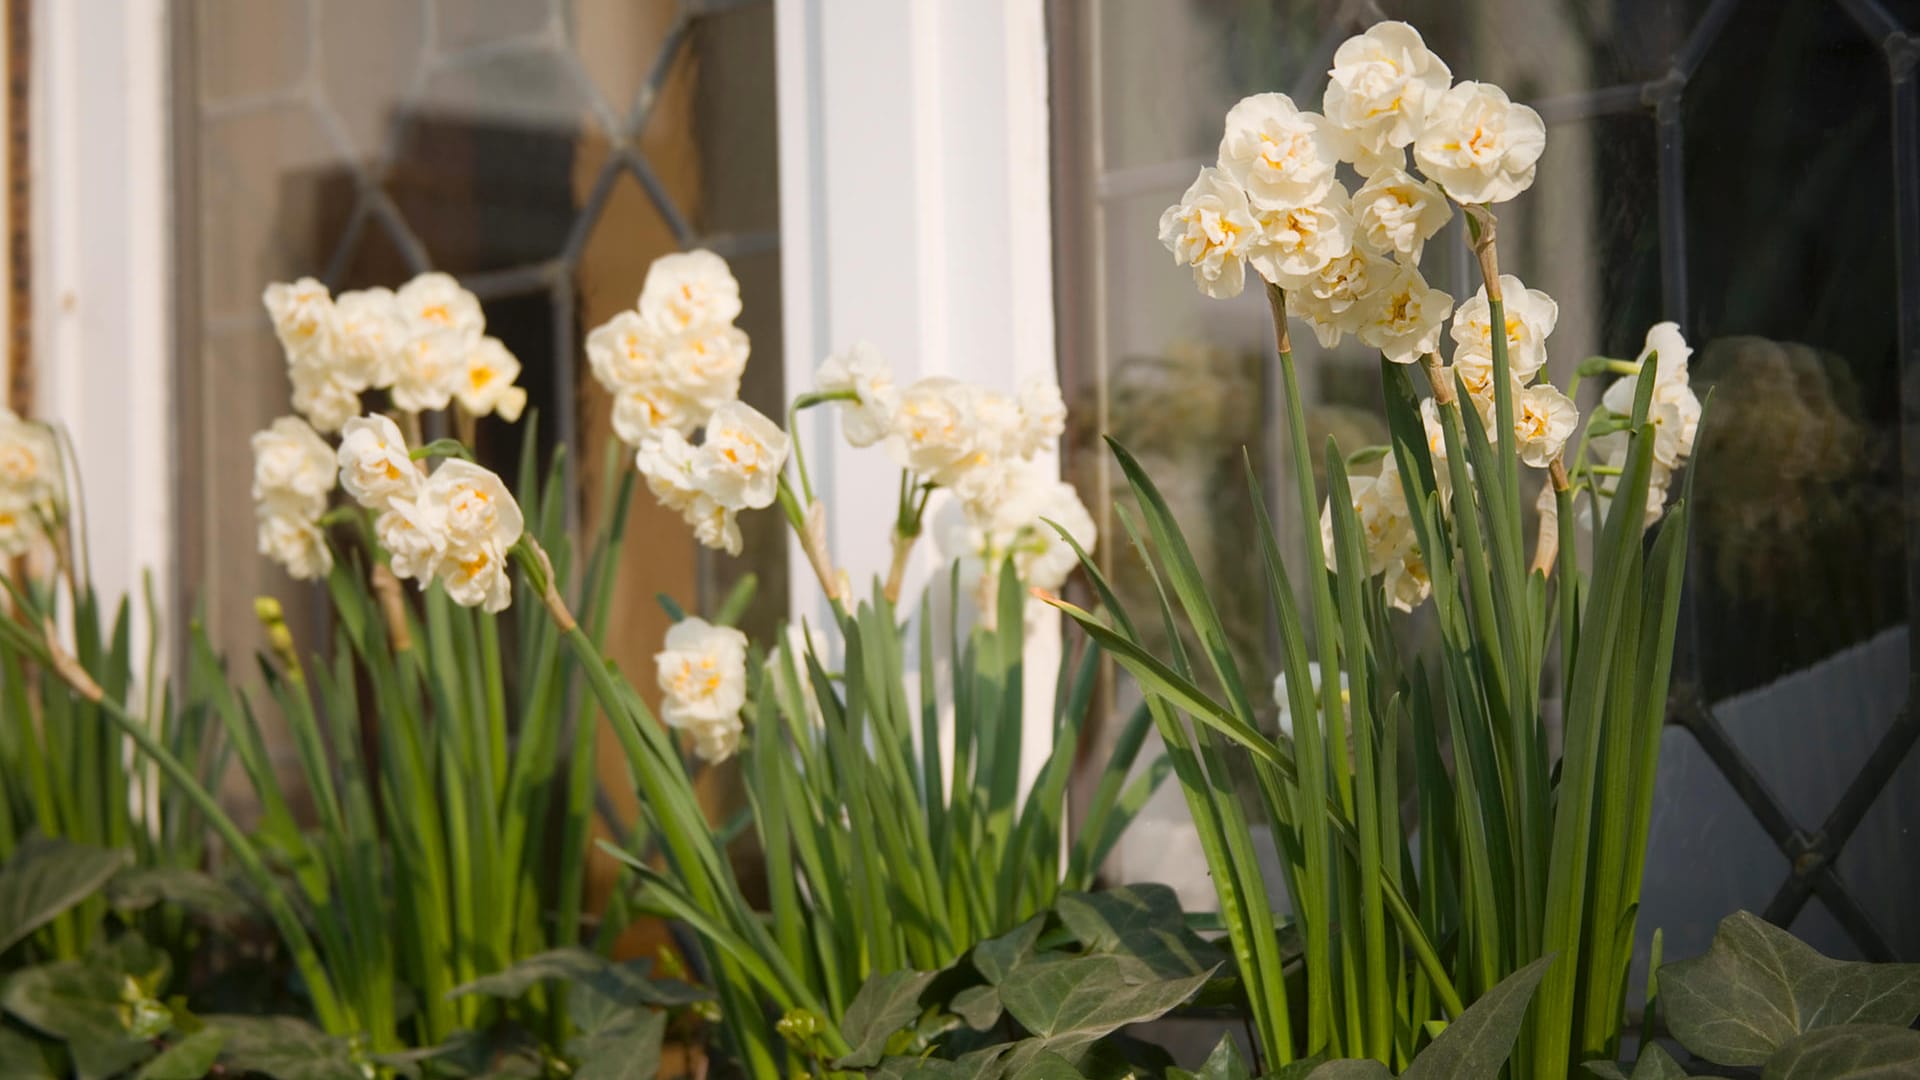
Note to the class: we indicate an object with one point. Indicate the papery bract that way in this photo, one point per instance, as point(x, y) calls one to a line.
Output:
point(1479, 145)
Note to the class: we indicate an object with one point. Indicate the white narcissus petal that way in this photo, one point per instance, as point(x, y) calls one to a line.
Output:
point(436, 301)
point(702, 367)
point(292, 464)
point(933, 428)
point(1543, 418)
point(626, 352)
point(324, 396)
point(1280, 156)
point(487, 386)
point(474, 505)
point(373, 333)
point(1293, 244)
point(374, 464)
point(1333, 300)
point(1530, 316)
point(687, 291)
point(1284, 700)
point(864, 372)
point(1211, 229)
point(432, 364)
point(1395, 214)
point(1479, 145)
point(1043, 416)
point(1382, 84)
point(291, 538)
point(1403, 316)
point(304, 320)
point(30, 475)
point(739, 462)
point(702, 671)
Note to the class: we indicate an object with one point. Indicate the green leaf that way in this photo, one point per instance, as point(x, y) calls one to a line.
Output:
point(189, 1059)
point(1848, 1052)
point(1225, 1063)
point(1352, 1069)
point(1654, 1064)
point(46, 877)
point(82, 1001)
point(995, 957)
point(623, 983)
point(1047, 1065)
point(139, 888)
point(977, 1006)
point(284, 1048)
point(1141, 921)
point(23, 1058)
point(1072, 1001)
point(1476, 1044)
point(629, 1050)
point(1758, 987)
point(883, 1006)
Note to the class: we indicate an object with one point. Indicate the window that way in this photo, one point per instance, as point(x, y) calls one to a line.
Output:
point(1744, 167)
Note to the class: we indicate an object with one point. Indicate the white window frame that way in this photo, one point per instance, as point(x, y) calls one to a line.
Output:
point(915, 213)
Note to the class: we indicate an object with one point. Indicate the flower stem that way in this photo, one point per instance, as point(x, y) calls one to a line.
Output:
point(799, 404)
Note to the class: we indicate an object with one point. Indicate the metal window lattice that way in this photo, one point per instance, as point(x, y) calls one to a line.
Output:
point(554, 277)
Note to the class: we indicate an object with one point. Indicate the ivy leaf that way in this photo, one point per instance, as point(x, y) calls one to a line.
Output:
point(978, 1006)
point(996, 957)
point(628, 1050)
point(283, 1048)
point(22, 1058)
point(1351, 1069)
point(1654, 1064)
point(139, 888)
point(80, 1001)
point(1142, 921)
point(883, 1006)
point(1225, 1063)
point(1070, 1002)
point(1758, 987)
point(623, 984)
point(1047, 1065)
point(1477, 1043)
point(45, 878)
point(1848, 1052)
point(189, 1059)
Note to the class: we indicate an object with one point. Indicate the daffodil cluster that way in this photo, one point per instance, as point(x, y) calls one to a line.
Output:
point(1673, 410)
point(983, 446)
point(31, 491)
point(455, 525)
point(673, 364)
point(425, 345)
point(293, 475)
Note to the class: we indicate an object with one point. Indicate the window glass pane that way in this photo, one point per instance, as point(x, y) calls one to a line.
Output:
point(1728, 165)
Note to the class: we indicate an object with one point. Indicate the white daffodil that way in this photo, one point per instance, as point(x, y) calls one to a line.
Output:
point(863, 372)
point(1664, 338)
point(304, 320)
point(1292, 244)
point(740, 460)
point(1381, 87)
point(702, 367)
point(1280, 156)
point(1673, 409)
point(1395, 214)
point(1333, 300)
point(1530, 316)
point(411, 533)
point(715, 524)
point(475, 575)
point(487, 388)
point(1380, 506)
point(626, 352)
point(1285, 700)
point(643, 413)
point(1407, 583)
point(1543, 418)
point(702, 672)
point(292, 538)
point(373, 334)
point(668, 461)
point(1403, 316)
point(474, 506)
point(1043, 417)
point(373, 461)
point(18, 526)
point(293, 465)
point(934, 428)
point(432, 365)
point(29, 462)
point(1611, 452)
point(436, 301)
point(1018, 528)
point(687, 291)
point(324, 395)
point(1479, 145)
point(1211, 229)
